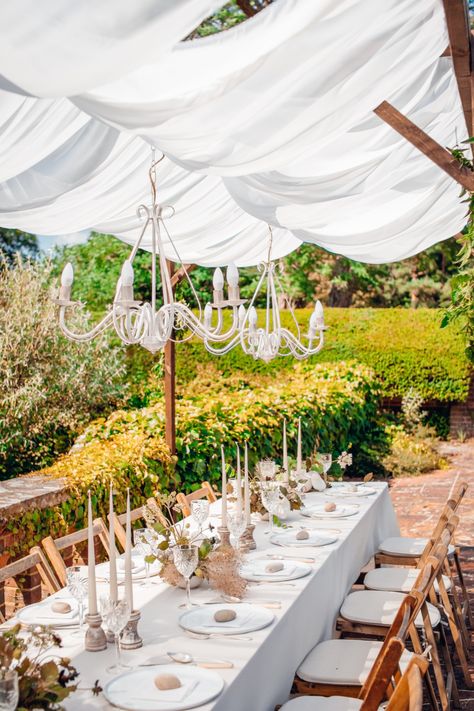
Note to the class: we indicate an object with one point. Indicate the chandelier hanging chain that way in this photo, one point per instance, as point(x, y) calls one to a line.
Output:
point(152, 324)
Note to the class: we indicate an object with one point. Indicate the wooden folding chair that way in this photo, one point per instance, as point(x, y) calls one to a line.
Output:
point(367, 613)
point(206, 491)
point(54, 547)
point(346, 667)
point(120, 522)
point(35, 559)
point(407, 695)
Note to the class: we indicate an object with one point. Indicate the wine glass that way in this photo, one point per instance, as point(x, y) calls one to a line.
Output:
point(141, 543)
point(9, 692)
point(236, 523)
point(200, 512)
point(270, 492)
point(326, 461)
point(266, 469)
point(116, 614)
point(76, 583)
point(186, 558)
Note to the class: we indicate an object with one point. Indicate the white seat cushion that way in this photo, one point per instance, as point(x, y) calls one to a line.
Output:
point(404, 546)
point(342, 661)
point(397, 579)
point(376, 607)
point(322, 703)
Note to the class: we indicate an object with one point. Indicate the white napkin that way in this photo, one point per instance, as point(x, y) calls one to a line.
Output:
point(41, 613)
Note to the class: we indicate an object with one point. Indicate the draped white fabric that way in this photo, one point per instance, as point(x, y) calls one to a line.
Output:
point(269, 122)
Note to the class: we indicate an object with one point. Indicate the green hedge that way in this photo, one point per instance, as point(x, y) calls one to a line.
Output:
point(406, 348)
point(337, 403)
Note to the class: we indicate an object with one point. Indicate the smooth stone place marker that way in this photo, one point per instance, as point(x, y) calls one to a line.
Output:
point(352, 487)
point(274, 567)
point(330, 506)
point(166, 682)
point(61, 607)
point(302, 535)
point(225, 615)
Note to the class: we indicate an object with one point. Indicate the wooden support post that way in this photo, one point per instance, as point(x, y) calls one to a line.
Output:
point(170, 366)
point(427, 145)
point(460, 42)
point(170, 386)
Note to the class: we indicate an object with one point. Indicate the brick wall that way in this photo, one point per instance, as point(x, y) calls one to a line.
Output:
point(461, 417)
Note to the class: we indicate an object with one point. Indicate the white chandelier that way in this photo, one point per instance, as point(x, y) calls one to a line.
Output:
point(152, 324)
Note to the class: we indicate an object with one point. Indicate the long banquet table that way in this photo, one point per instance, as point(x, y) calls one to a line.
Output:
point(263, 667)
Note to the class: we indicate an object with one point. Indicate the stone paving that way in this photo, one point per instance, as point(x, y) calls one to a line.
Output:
point(418, 502)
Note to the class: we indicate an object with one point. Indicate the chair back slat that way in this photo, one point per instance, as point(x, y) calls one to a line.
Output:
point(53, 547)
point(386, 664)
point(206, 491)
point(120, 521)
point(35, 559)
point(408, 694)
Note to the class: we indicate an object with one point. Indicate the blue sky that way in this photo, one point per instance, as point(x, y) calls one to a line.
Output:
point(49, 242)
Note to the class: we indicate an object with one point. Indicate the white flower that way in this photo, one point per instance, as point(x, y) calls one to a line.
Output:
point(344, 460)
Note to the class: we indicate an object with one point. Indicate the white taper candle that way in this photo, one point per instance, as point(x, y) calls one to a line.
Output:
point(299, 459)
point(246, 485)
point(239, 482)
point(128, 555)
point(224, 490)
point(91, 585)
point(113, 550)
point(285, 451)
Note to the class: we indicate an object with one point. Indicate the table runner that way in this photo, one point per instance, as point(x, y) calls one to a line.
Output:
point(264, 667)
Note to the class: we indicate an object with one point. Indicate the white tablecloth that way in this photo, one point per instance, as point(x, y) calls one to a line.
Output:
point(264, 667)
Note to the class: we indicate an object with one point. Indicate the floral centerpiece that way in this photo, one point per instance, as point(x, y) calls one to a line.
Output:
point(290, 487)
point(43, 682)
point(219, 565)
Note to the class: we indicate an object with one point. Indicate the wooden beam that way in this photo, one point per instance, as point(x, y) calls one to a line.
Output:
point(460, 41)
point(179, 275)
point(170, 385)
point(424, 143)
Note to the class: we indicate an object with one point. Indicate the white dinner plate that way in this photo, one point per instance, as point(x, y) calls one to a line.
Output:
point(257, 570)
point(341, 511)
point(249, 619)
point(40, 613)
point(316, 538)
point(342, 489)
point(136, 691)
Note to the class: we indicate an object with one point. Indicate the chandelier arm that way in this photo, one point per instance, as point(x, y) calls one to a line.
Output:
point(225, 349)
point(196, 325)
point(83, 337)
point(123, 329)
point(299, 351)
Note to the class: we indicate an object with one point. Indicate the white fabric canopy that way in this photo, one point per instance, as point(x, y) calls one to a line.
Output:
point(271, 121)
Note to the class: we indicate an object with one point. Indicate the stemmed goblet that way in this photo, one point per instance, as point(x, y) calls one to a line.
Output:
point(76, 583)
point(141, 543)
point(200, 512)
point(270, 492)
point(9, 692)
point(326, 461)
point(186, 558)
point(236, 523)
point(116, 614)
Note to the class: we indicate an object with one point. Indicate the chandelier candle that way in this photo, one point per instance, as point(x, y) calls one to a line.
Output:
point(113, 550)
point(128, 555)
